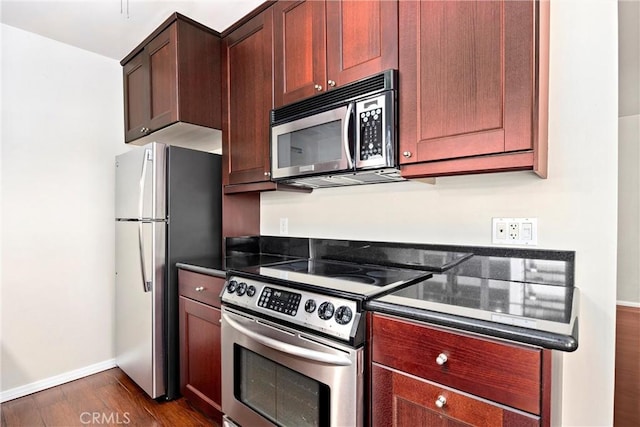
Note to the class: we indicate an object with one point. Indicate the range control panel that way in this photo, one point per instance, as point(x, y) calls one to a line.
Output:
point(333, 316)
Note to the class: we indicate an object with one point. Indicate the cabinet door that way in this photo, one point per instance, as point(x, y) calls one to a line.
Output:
point(248, 100)
point(401, 400)
point(136, 95)
point(299, 50)
point(200, 369)
point(163, 101)
point(362, 39)
point(150, 88)
point(467, 79)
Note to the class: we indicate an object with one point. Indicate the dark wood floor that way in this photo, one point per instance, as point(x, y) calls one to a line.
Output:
point(107, 398)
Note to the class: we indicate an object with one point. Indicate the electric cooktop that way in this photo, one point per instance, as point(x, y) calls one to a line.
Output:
point(335, 277)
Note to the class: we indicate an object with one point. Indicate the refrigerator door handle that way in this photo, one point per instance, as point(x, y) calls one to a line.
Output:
point(146, 284)
point(143, 177)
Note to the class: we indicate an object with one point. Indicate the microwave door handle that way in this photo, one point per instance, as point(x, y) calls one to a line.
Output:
point(286, 348)
point(345, 135)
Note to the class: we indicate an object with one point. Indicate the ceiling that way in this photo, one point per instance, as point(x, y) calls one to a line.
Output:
point(113, 28)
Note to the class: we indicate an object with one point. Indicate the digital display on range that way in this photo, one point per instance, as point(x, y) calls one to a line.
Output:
point(281, 301)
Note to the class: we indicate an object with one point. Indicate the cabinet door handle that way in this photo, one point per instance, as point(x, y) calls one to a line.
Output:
point(441, 359)
point(331, 83)
point(267, 174)
point(441, 401)
point(407, 154)
point(318, 87)
point(199, 288)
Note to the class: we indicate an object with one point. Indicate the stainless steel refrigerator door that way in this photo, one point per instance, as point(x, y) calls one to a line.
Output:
point(139, 313)
point(141, 182)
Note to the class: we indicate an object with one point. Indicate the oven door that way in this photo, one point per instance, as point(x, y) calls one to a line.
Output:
point(319, 143)
point(274, 375)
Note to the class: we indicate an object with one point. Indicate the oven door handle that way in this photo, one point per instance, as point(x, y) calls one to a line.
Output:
point(305, 353)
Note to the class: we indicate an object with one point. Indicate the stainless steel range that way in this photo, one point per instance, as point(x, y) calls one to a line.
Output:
point(292, 341)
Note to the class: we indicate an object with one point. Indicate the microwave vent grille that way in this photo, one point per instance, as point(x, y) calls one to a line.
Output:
point(332, 98)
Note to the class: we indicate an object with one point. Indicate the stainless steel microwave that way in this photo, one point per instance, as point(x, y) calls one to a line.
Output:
point(345, 136)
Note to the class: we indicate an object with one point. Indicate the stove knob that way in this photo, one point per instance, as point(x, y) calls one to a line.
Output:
point(242, 288)
point(251, 291)
point(343, 315)
point(231, 287)
point(310, 306)
point(325, 311)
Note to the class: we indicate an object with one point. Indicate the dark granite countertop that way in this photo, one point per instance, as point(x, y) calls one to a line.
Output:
point(218, 266)
point(523, 295)
point(531, 313)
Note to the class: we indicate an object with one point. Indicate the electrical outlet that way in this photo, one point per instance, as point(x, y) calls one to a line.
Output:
point(284, 226)
point(515, 231)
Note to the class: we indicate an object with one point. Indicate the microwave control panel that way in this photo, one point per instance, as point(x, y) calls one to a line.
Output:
point(372, 116)
point(371, 134)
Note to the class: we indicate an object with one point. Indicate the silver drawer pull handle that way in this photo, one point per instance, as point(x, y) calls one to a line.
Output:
point(200, 289)
point(441, 359)
point(441, 401)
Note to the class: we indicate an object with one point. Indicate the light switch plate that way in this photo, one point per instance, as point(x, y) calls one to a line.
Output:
point(284, 226)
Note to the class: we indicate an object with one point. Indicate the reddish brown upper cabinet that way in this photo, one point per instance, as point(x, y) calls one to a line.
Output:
point(247, 80)
point(173, 76)
point(473, 86)
point(319, 45)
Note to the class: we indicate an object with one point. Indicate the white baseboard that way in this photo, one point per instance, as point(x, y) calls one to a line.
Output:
point(628, 304)
point(46, 383)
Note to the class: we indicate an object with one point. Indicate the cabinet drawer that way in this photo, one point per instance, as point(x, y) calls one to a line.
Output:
point(400, 399)
point(200, 287)
point(506, 373)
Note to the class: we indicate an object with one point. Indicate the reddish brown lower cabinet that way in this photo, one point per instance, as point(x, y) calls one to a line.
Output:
point(426, 375)
point(400, 399)
point(200, 369)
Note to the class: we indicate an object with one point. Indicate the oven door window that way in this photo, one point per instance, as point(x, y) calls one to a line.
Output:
point(285, 397)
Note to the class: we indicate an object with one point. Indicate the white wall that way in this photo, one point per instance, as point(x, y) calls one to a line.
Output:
point(629, 154)
point(628, 292)
point(61, 118)
point(576, 206)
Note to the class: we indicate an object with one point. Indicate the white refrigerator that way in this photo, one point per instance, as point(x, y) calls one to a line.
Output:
point(168, 210)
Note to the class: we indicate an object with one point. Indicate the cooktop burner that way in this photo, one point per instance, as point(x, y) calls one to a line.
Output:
point(359, 280)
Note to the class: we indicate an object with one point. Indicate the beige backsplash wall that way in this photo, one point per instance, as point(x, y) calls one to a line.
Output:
point(576, 206)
